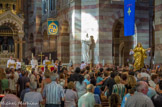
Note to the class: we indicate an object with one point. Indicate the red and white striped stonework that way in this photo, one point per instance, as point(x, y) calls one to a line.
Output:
point(158, 32)
point(100, 18)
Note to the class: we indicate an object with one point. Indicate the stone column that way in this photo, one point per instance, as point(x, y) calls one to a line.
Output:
point(15, 43)
point(20, 35)
point(20, 49)
point(158, 32)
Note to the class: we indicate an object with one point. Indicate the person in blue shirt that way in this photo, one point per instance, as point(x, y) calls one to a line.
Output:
point(86, 79)
point(126, 97)
point(96, 89)
point(99, 79)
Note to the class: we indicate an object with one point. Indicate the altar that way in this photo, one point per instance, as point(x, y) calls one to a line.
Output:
point(4, 56)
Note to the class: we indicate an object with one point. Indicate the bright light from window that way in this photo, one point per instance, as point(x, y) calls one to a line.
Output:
point(89, 26)
point(73, 23)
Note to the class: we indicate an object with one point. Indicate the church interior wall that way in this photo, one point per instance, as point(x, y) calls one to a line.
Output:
point(104, 14)
point(109, 13)
point(158, 32)
point(90, 27)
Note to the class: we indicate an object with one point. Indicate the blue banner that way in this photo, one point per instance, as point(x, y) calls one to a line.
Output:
point(53, 27)
point(129, 17)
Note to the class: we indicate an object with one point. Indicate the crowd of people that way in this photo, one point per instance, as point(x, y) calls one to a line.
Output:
point(107, 86)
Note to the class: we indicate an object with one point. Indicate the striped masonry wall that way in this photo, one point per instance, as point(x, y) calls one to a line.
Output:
point(158, 32)
point(31, 28)
point(97, 18)
point(90, 26)
point(38, 36)
point(109, 14)
point(63, 51)
point(75, 33)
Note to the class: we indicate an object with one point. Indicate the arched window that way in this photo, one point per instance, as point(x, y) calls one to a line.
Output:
point(44, 6)
point(52, 5)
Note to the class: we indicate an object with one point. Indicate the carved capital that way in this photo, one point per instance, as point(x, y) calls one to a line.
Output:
point(21, 34)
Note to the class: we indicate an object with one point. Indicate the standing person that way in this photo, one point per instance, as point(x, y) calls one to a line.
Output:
point(110, 83)
point(18, 64)
point(26, 90)
point(45, 63)
point(45, 81)
point(140, 99)
point(12, 81)
point(33, 79)
point(119, 88)
point(153, 81)
point(127, 96)
point(34, 64)
point(80, 86)
point(46, 60)
point(39, 78)
point(10, 63)
point(53, 93)
point(59, 68)
point(22, 81)
point(157, 99)
point(56, 64)
point(99, 79)
point(75, 76)
point(88, 99)
point(33, 98)
point(70, 95)
point(83, 65)
point(4, 82)
point(87, 79)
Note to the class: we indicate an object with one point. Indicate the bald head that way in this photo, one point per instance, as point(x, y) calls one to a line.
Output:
point(142, 87)
point(90, 88)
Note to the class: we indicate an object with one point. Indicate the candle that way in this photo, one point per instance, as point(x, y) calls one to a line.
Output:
point(50, 56)
point(52, 62)
point(32, 55)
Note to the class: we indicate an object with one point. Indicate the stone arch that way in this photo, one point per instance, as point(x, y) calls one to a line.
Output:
point(15, 24)
point(121, 53)
point(120, 44)
point(64, 43)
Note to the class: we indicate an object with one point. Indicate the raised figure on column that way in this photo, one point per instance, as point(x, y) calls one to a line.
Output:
point(139, 56)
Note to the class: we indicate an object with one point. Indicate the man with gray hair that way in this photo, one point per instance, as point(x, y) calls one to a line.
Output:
point(139, 99)
point(86, 79)
point(53, 93)
point(89, 99)
point(33, 98)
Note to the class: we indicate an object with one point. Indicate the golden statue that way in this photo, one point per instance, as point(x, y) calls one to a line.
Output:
point(139, 56)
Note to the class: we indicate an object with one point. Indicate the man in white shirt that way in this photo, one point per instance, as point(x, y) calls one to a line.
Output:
point(34, 64)
point(83, 65)
point(18, 64)
point(46, 60)
point(10, 61)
